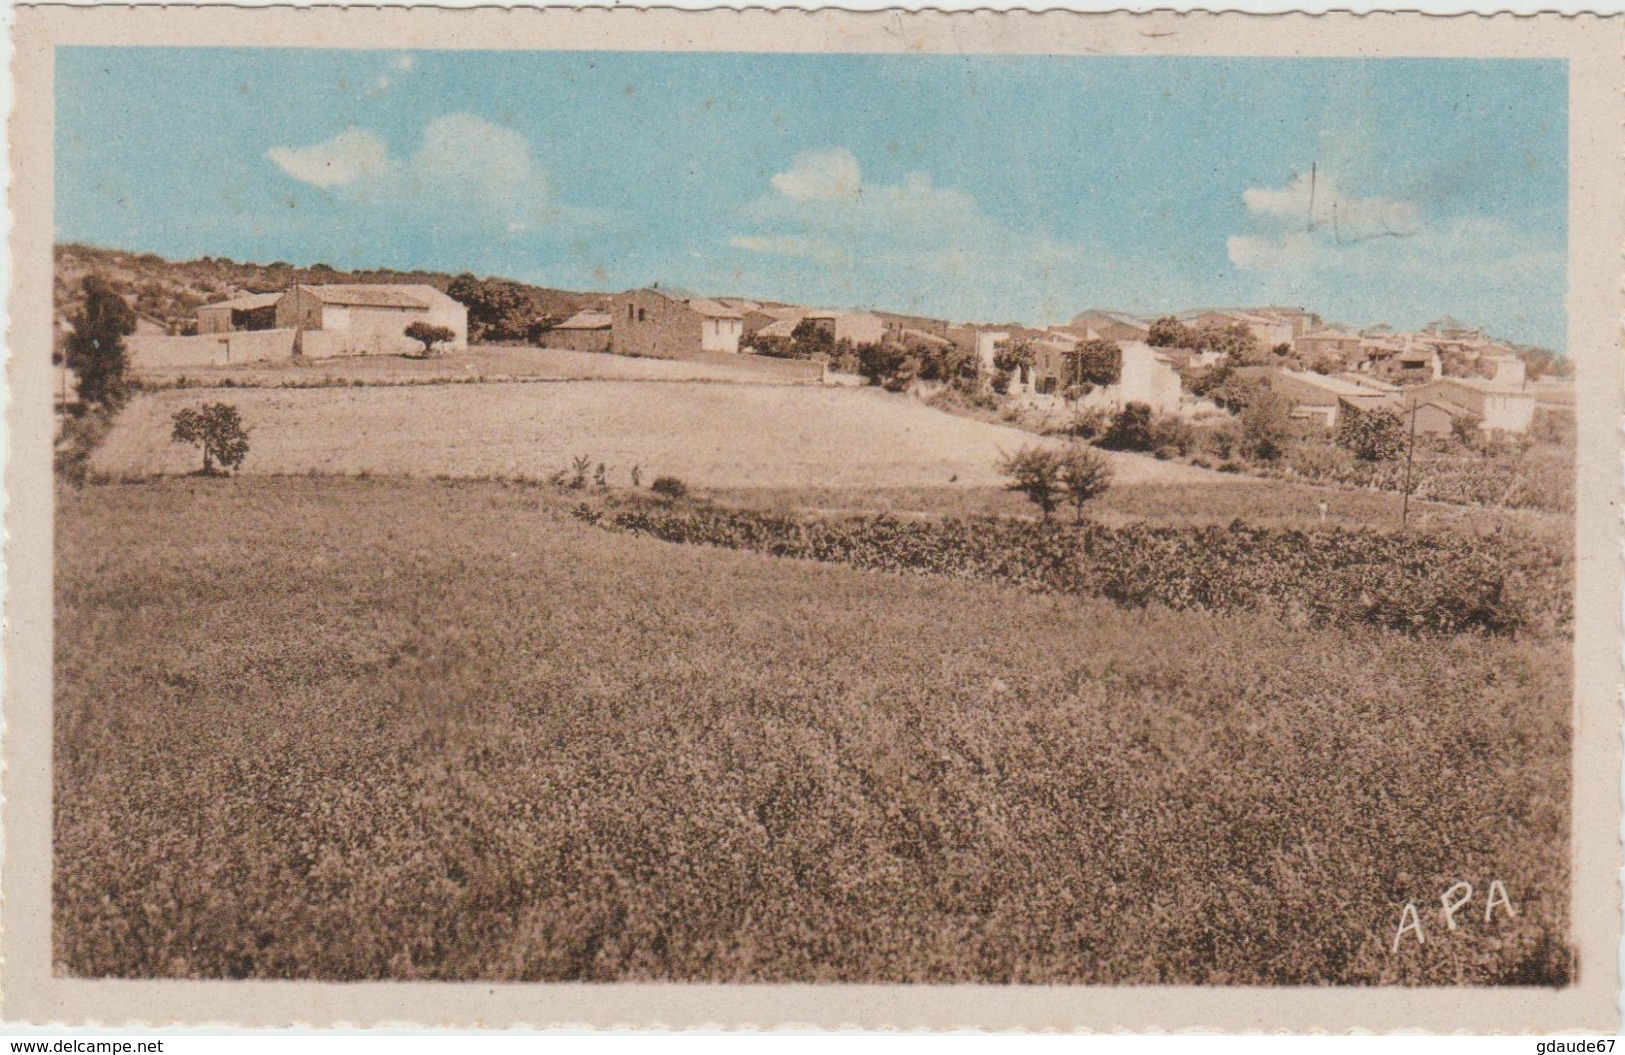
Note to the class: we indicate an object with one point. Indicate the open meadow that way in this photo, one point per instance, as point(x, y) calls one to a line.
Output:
point(519, 746)
point(709, 435)
point(483, 363)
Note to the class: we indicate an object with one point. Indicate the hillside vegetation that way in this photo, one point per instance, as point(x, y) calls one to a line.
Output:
point(285, 749)
point(166, 294)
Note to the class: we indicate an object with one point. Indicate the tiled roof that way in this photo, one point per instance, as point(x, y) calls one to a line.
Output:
point(586, 320)
point(246, 303)
point(367, 296)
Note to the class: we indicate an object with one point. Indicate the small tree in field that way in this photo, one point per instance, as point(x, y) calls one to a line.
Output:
point(1086, 475)
point(217, 428)
point(1038, 473)
point(429, 334)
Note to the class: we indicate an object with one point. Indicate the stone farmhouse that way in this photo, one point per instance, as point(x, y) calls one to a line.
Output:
point(256, 311)
point(370, 319)
point(672, 324)
point(315, 322)
point(585, 331)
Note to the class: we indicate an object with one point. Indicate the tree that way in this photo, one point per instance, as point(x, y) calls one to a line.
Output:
point(1169, 332)
point(880, 361)
point(1373, 436)
point(429, 334)
point(1038, 473)
point(1097, 362)
point(95, 349)
point(1011, 358)
point(1130, 429)
point(217, 428)
point(1266, 425)
point(1086, 475)
point(812, 338)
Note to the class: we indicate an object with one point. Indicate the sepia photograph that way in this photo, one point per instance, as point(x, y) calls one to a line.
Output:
point(723, 516)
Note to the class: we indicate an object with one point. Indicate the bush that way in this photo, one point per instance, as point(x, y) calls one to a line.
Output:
point(1372, 436)
point(1464, 429)
point(1090, 423)
point(879, 362)
point(1038, 473)
point(669, 487)
point(1407, 582)
point(218, 429)
point(1130, 430)
point(1172, 433)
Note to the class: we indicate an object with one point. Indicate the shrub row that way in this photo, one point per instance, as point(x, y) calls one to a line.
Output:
point(1413, 583)
point(1511, 482)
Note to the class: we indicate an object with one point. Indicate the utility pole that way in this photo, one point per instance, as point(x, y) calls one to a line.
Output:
point(1410, 456)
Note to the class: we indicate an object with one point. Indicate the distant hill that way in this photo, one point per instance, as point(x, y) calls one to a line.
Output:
point(167, 293)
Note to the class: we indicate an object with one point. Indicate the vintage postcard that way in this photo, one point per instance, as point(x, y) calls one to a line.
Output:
point(613, 517)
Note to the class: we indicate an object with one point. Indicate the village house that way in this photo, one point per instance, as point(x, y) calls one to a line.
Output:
point(309, 321)
point(672, 324)
point(853, 327)
point(1315, 397)
point(1327, 346)
point(1268, 328)
point(755, 320)
point(585, 331)
point(255, 311)
point(1431, 418)
point(1106, 325)
point(979, 341)
point(1498, 406)
point(356, 319)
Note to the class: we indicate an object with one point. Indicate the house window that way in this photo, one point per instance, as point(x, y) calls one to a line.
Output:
point(629, 313)
point(640, 314)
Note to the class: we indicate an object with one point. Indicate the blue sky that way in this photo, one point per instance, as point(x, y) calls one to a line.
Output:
point(997, 188)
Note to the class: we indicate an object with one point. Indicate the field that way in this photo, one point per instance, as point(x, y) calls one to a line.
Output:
point(284, 748)
point(481, 363)
point(709, 435)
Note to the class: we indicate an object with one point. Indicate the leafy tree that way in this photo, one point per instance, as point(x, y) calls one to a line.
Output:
point(95, 349)
point(1013, 354)
point(1085, 475)
point(810, 339)
point(1097, 362)
point(878, 362)
point(1464, 429)
point(1266, 425)
point(1169, 332)
point(1038, 473)
point(218, 429)
point(498, 310)
point(1373, 436)
point(429, 334)
point(1130, 429)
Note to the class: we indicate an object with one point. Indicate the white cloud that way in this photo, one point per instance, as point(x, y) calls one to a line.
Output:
point(403, 62)
point(352, 156)
point(483, 173)
point(850, 237)
point(821, 175)
point(1312, 223)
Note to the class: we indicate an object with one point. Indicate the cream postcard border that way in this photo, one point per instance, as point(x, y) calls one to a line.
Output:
point(30, 991)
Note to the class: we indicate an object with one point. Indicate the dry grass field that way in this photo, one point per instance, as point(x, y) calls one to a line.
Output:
point(709, 435)
point(348, 729)
point(482, 362)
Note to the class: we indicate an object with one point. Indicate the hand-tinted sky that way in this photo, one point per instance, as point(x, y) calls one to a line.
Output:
point(1020, 188)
